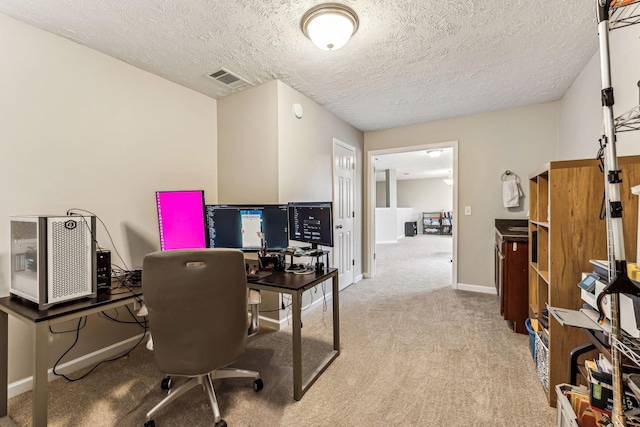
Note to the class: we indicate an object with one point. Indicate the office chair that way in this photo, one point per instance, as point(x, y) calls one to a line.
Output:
point(197, 305)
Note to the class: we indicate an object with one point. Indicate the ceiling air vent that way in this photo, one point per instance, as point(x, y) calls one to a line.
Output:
point(229, 79)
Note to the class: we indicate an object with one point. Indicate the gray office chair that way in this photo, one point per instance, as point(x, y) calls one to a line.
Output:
point(197, 305)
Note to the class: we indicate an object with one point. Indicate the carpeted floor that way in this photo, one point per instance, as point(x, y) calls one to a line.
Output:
point(414, 353)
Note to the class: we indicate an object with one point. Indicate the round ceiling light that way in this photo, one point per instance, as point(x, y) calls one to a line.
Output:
point(329, 25)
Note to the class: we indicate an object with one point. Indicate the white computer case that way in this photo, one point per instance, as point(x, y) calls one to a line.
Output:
point(53, 258)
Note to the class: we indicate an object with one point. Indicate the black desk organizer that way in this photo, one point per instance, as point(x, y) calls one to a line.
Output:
point(320, 266)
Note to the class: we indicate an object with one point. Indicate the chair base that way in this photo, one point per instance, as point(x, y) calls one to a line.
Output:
point(206, 381)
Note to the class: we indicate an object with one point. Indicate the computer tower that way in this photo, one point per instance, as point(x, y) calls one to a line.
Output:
point(53, 258)
point(103, 269)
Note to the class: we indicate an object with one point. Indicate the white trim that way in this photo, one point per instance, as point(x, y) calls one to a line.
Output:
point(358, 278)
point(26, 384)
point(283, 323)
point(384, 242)
point(371, 208)
point(477, 288)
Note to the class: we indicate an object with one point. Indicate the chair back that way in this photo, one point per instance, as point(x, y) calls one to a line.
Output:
point(197, 303)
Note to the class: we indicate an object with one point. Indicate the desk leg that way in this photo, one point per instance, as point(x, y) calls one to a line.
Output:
point(297, 345)
point(336, 314)
point(4, 359)
point(40, 375)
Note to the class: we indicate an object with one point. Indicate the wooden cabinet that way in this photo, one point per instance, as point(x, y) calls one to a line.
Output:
point(511, 271)
point(513, 286)
point(565, 232)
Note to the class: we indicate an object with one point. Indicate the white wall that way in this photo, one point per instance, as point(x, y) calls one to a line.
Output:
point(518, 139)
point(390, 223)
point(580, 124)
point(386, 225)
point(404, 215)
point(79, 129)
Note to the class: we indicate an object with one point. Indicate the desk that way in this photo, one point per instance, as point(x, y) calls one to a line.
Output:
point(294, 285)
point(39, 321)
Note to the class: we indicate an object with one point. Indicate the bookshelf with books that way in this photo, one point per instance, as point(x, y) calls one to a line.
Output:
point(437, 222)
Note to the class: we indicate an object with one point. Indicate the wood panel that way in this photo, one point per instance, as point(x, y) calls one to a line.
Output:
point(567, 206)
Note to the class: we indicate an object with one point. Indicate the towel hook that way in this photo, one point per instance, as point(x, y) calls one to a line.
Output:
point(508, 173)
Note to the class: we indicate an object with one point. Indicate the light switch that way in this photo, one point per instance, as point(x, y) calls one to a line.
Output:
point(467, 210)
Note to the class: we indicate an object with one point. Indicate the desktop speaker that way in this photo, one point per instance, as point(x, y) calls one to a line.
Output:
point(53, 258)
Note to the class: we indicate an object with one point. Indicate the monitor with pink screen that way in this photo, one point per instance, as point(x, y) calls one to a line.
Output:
point(181, 219)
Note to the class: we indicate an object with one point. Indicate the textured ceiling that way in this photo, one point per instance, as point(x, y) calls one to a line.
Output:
point(411, 61)
point(415, 164)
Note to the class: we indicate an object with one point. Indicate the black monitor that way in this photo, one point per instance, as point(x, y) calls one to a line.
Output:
point(181, 219)
point(311, 222)
point(239, 227)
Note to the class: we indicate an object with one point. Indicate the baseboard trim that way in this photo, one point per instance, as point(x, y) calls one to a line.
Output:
point(476, 288)
point(283, 323)
point(358, 278)
point(26, 384)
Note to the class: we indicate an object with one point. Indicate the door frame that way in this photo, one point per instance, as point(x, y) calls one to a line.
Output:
point(371, 205)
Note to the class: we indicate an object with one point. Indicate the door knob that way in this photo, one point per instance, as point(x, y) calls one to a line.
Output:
point(338, 226)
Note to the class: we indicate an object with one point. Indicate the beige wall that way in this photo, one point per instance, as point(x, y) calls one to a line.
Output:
point(518, 139)
point(425, 195)
point(306, 156)
point(581, 110)
point(248, 149)
point(79, 129)
point(294, 157)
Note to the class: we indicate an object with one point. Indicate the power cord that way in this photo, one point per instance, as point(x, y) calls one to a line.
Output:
point(70, 212)
point(78, 328)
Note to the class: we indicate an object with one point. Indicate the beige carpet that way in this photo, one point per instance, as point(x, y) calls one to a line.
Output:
point(414, 353)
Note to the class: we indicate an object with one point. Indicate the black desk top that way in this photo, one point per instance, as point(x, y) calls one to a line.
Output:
point(293, 282)
point(29, 310)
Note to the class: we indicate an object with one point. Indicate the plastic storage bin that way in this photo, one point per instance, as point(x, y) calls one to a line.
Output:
point(532, 337)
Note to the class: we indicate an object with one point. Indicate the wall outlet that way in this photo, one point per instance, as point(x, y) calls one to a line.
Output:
point(467, 210)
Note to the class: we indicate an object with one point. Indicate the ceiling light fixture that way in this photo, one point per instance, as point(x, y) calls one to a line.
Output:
point(329, 25)
point(434, 153)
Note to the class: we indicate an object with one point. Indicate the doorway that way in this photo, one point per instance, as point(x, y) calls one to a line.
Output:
point(408, 174)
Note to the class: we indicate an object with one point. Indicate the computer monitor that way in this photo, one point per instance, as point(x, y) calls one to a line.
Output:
point(181, 219)
point(247, 227)
point(311, 222)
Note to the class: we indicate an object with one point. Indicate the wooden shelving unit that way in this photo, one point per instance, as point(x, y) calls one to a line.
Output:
point(565, 232)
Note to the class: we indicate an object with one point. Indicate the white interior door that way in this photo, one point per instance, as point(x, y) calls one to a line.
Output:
point(344, 161)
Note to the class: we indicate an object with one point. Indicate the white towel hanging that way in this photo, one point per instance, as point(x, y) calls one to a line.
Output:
point(511, 191)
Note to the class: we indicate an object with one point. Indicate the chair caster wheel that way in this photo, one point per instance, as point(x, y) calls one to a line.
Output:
point(150, 423)
point(257, 384)
point(221, 423)
point(166, 383)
